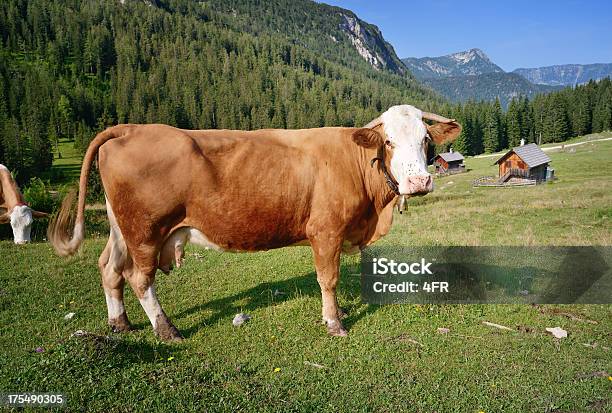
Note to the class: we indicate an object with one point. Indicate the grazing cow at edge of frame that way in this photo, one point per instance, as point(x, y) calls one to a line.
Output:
point(332, 188)
point(14, 210)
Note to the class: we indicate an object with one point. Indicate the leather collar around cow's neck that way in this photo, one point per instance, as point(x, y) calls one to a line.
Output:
point(380, 157)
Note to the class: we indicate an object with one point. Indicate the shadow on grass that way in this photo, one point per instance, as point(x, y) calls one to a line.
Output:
point(115, 349)
point(272, 293)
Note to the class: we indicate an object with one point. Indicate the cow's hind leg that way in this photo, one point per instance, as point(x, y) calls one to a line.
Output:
point(141, 280)
point(112, 263)
point(326, 250)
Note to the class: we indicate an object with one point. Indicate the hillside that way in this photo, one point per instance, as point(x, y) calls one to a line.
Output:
point(566, 75)
point(333, 32)
point(69, 68)
point(470, 62)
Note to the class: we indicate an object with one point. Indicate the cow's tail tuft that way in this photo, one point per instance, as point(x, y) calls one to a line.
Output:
point(58, 231)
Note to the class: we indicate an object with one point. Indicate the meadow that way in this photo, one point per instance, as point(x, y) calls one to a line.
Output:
point(394, 359)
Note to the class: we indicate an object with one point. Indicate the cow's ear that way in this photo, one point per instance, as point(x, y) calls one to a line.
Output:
point(443, 132)
point(368, 138)
point(5, 217)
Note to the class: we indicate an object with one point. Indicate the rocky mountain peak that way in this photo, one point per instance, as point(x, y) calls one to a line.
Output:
point(469, 56)
point(469, 62)
point(370, 44)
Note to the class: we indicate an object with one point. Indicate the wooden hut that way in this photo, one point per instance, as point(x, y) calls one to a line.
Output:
point(526, 162)
point(449, 163)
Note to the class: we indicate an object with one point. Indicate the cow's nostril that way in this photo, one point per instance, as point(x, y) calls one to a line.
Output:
point(417, 185)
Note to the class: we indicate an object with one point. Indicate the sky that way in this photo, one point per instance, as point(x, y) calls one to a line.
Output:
point(512, 33)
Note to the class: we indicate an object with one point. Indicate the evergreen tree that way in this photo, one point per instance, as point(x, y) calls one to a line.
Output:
point(3, 119)
point(526, 116)
point(581, 115)
point(461, 144)
point(514, 128)
point(499, 113)
point(557, 123)
point(602, 110)
point(492, 128)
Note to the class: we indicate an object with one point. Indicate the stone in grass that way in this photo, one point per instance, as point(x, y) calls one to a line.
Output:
point(557, 332)
point(69, 316)
point(240, 319)
point(443, 330)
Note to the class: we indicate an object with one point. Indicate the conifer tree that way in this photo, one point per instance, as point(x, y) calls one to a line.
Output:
point(514, 124)
point(492, 128)
point(557, 120)
point(526, 116)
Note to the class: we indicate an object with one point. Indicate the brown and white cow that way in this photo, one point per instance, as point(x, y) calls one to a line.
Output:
point(13, 208)
point(247, 191)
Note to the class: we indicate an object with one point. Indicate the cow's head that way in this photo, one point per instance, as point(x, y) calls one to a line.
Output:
point(21, 218)
point(405, 136)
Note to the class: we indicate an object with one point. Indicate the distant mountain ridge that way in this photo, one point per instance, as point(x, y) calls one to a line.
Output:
point(566, 75)
point(471, 75)
point(487, 86)
point(470, 62)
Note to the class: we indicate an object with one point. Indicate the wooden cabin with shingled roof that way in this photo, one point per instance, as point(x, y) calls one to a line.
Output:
point(449, 163)
point(525, 162)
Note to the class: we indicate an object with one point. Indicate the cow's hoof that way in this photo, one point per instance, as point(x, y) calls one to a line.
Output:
point(174, 339)
point(120, 324)
point(335, 329)
point(170, 333)
point(166, 331)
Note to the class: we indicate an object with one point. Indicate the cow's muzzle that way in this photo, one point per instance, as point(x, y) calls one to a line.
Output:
point(416, 185)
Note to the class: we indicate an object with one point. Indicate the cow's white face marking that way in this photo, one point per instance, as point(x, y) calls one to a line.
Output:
point(21, 222)
point(406, 131)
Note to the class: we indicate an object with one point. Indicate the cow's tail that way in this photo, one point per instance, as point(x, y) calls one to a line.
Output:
point(57, 233)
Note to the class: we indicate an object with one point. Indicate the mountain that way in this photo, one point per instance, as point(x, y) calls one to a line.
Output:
point(566, 75)
point(471, 62)
point(487, 86)
point(471, 75)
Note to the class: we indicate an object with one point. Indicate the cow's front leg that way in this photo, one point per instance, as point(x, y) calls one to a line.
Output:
point(326, 250)
point(142, 284)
